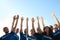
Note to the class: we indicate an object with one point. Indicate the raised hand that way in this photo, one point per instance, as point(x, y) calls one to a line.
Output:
point(41, 18)
point(38, 28)
point(42, 21)
point(26, 19)
point(37, 18)
point(33, 24)
point(21, 24)
point(27, 22)
point(33, 20)
point(26, 27)
point(38, 21)
point(15, 18)
point(13, 22)
point(57, 21)
point(53, 14)
point(22, 18)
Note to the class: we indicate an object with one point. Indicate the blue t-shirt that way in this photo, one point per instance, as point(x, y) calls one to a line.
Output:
point(38, 36)
point(45, 37)
point(4, 37)
point(13, 36)
point(32, 38)
point(10, 36)
point(57, 35)
point(22, 36)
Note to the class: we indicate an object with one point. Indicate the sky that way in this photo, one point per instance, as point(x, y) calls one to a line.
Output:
point(28, 8)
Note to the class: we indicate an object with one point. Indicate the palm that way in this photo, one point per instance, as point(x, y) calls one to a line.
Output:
point(32, 19)
point(22, 19)
point(37, 18)
point(53, 14)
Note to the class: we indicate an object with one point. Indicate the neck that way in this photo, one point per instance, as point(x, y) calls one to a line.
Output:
point(47, 33)
point(32, 35)
point(6, 33)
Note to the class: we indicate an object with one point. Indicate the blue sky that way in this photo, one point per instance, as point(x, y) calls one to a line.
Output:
point(29, 8)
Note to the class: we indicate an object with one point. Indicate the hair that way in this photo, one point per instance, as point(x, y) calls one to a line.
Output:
point(44, 33)
point(4, 28)
point(51, 26)
point(45, 27)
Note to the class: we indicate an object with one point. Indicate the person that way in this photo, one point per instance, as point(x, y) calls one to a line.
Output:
point(12, 35)
point(57, 28)
point(32, 37)
point(38, 28)
point(51, 31)
point(45, 33)
point(22, 35)
point(38, 34)
point(6, 31)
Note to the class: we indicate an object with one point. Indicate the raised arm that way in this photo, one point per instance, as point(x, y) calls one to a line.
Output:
point(13, 22)
point(56, 19)
point(27, 26)
point(33, 24)
point(42, 21)
point(16, 21)
point(38, 29)
point(15, 18)
point(21, 24)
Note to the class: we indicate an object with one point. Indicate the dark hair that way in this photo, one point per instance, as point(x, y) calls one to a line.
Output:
point(4, 28)
point(56, 24)
point(44, 33)
point(45, 27)
point(51, 26)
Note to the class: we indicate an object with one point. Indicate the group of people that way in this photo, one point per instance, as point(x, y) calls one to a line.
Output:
point(46, 34)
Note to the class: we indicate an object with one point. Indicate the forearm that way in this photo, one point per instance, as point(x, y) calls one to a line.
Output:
point(16, 23)
point(56, 20)
point(42, 22)
point(39, 27)
point(13, 23)
point(33, 26)
point(21, 27)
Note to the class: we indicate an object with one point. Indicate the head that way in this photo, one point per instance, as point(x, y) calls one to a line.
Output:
point(32, 32)
point(38, 30)
point(55, 27)
point(26, 32)
point(6, 30)
point(17, 30)
point(46, 29)
point(51, 27)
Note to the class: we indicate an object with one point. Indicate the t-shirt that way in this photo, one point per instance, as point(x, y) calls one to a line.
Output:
point(57, 35)
point(10, 36)
point(38, 36)
point(32, 38)
point(45, 37)
point(14, 36)
point(4, 37)
point(22, 36)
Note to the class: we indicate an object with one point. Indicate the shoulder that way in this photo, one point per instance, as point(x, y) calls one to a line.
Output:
point(47, 37)
point(57, 33)
point(4, 36)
